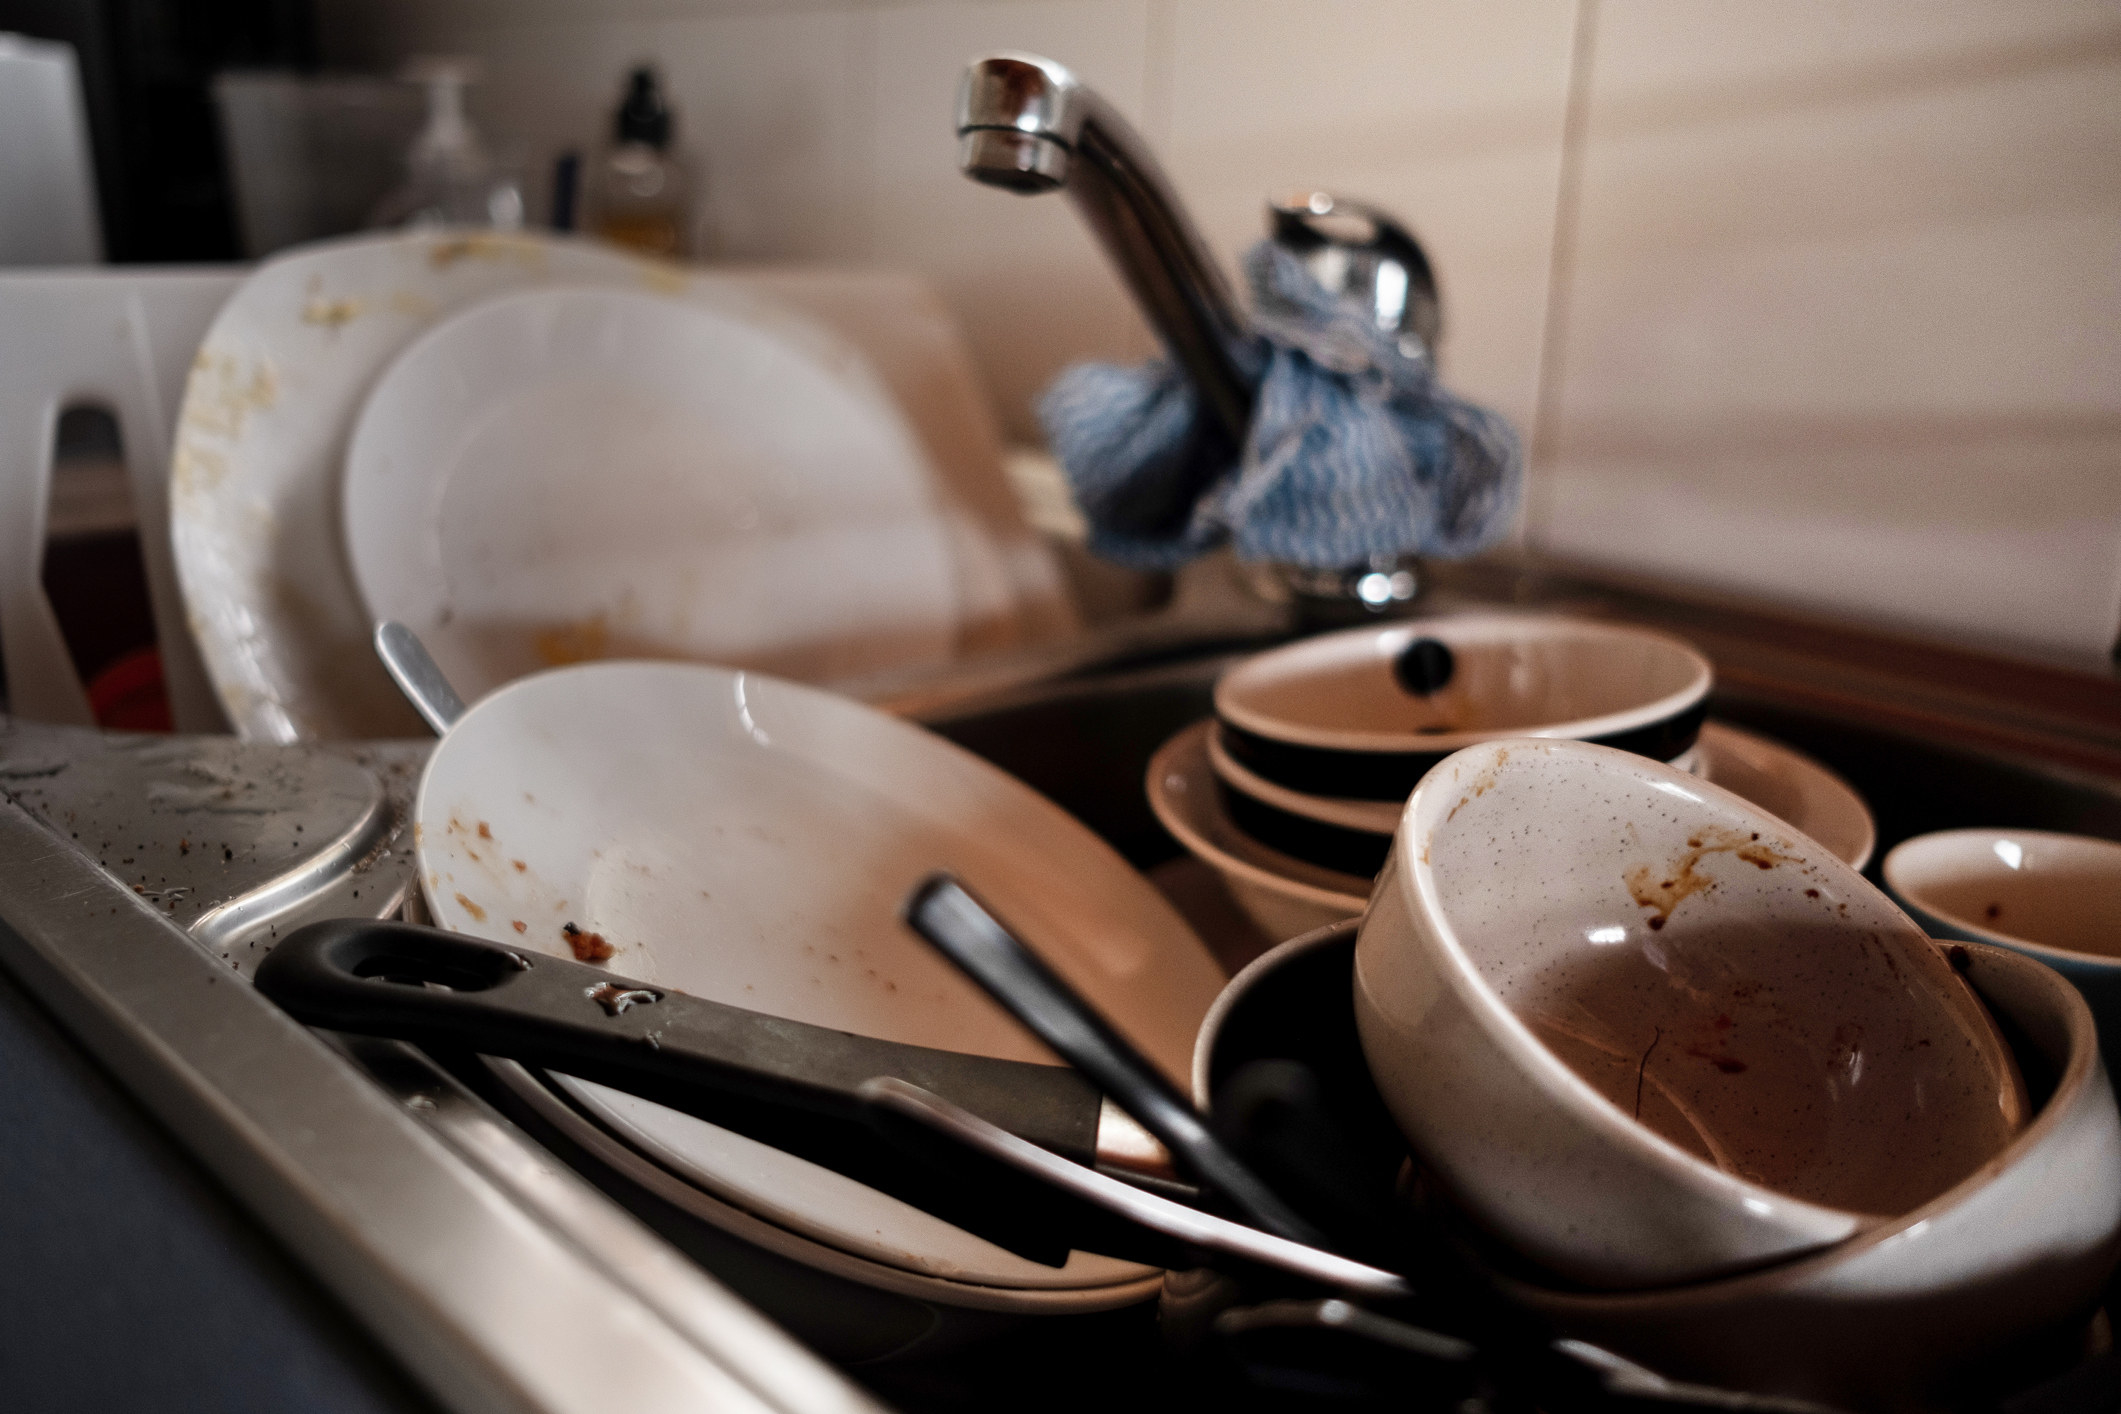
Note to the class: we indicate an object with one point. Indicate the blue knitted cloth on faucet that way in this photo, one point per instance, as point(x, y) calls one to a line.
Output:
point(1354, 448)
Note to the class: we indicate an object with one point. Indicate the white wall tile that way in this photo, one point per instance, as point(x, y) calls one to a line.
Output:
point(774, 103)
point(1448, 115)
point(1844, 320)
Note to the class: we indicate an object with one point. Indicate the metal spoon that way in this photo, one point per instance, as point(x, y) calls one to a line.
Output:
point(417, 675)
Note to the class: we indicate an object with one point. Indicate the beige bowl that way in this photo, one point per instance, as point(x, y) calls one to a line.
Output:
point(1893, 1318)
point(1888, 1319)
point(1285, 896)
point(1647, 1034)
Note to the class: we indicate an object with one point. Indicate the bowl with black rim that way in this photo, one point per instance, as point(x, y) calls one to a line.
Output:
point(1318, 742)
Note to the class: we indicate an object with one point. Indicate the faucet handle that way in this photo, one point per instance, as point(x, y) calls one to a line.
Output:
point(1360, 253)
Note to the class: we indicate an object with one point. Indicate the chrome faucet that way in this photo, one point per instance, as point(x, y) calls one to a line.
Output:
point(1028, 125)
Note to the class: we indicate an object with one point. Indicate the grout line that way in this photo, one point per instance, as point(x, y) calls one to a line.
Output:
point(1561, 271)
point(1159, 75)
point(866, 155)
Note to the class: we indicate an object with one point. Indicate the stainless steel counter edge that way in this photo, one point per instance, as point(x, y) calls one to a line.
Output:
point(481, 1295)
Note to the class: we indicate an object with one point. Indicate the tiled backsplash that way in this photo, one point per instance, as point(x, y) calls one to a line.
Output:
point(1820, 299)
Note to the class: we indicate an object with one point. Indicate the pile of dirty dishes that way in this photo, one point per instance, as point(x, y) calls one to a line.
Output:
point(1292, 791)
point(1694, 1090)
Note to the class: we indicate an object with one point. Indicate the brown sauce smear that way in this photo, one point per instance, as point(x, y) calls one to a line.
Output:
point(1665, 888)
point(586, 946)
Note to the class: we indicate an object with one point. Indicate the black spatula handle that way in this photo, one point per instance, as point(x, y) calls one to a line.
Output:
point(951, 919)
point(590, 1022)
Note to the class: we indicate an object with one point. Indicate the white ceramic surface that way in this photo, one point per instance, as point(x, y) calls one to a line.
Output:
point(570, 473)
point(1647, 1034)
point(751, 841)
point(1514, 675)
point(1283, 895)
point(276, 386)
point(1891, 1318)
point(1784, 782)
point(2057, 896)
point(741, 1222)
point(1884, 1319)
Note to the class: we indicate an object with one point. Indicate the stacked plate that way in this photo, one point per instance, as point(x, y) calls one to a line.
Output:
point(1291, 792)
point(751, 841)
point(538, 451)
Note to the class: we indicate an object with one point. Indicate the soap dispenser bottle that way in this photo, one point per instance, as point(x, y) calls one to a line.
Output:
point(451, 180)
point(638, 192)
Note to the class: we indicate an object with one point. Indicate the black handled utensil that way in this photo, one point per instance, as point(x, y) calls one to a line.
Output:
point(1203, 1233)
point(951, 919)
point(795, 1086)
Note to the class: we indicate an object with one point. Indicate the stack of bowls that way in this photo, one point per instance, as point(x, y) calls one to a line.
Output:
point(1292, 790)
point(1689, 1087)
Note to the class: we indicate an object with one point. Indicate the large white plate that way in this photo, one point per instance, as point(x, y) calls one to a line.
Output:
point(751, 841)
point(282, 373)
point(568, 473)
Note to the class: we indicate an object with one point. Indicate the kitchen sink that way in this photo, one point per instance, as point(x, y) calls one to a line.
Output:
point(351, 1153)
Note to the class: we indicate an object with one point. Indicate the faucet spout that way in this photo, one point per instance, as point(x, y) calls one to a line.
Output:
point(1028, 125)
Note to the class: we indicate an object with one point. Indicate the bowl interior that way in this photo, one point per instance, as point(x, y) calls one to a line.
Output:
point(1717, 977)
point(2060, 891)
point(1511, 676)
point(1294, 1003)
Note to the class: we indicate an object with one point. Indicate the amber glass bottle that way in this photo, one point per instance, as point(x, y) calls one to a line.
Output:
point(639, 195)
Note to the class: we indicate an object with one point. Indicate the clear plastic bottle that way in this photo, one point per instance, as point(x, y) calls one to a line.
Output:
point(450, 178)
point(639, 194)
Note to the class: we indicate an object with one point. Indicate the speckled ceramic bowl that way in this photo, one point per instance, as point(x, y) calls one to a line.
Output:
point(1889, 1319)
point(1648, 1034)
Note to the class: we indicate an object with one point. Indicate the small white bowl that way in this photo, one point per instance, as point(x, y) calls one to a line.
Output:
point(2051, 896)
point(1647, 1034)
point(1330, 716)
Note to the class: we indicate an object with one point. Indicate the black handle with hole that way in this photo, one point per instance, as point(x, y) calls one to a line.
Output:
point(1424, 667)
point(785, 1083)
point(942, 912)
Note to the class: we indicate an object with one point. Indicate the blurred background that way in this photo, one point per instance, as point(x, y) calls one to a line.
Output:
point(1818, 301)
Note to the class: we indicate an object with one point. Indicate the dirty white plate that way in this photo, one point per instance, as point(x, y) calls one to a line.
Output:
point(569, 473)
point(751, 841)
point(1782, 781)
point(281, 375)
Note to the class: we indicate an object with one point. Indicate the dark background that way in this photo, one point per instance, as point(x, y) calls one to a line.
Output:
point(162, 186)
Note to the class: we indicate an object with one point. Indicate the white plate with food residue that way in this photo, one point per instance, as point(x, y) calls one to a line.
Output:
point(562, 474)
point(751, 841)
point(281, 376)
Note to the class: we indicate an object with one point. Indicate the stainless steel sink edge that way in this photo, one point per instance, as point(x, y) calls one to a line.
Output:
point(533, 1294)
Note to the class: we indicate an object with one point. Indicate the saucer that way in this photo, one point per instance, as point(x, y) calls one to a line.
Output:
point(1284, 895)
